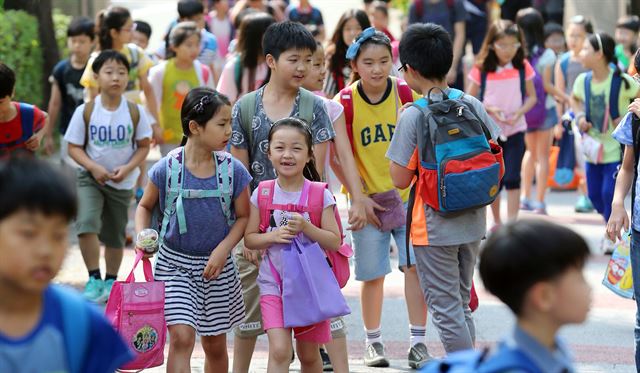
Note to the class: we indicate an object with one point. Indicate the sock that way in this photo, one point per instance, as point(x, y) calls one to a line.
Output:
point(373, 335)
point(95, 273)
point(110, 277)
point(418, 334)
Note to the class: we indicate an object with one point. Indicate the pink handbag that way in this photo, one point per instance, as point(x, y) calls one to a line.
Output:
point(136, 311)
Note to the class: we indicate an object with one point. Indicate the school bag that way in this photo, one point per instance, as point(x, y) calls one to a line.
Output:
point(175, 194)
point(134, 113)
point(133, 65)
point(136, 312)
point(536, 116)
point(618, 275)
point(613, 111)
point(505, 359)
point(156, 77)
point(11, 140)
point(338, 260)
point(248, 110)
point(346, 99)
point(566, 157)
point(75, 324)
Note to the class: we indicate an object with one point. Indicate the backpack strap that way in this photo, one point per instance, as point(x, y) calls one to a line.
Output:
point(75, 324)
point(247, 112)
point(587, 95)
point(564, 66)
point(346, 99)
point(265, 201)
point(134, 112)
point(86, 116)
point(27, 118)
point(173, 187)
point(305, 105)
point(237, 73)
point(508, 359)
point(614, 96)
point(224, 173)
point(523, 84)
point(315, 202)
point(483, 85)
point(404, 91)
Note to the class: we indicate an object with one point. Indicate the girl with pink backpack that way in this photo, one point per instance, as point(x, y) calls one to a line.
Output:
point(292, 218)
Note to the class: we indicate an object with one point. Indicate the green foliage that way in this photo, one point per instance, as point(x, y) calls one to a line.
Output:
point(401, 4)
point(20, 50)
point(60, 24)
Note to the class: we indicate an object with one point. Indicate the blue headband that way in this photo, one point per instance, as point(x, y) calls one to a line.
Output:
point(352, 52)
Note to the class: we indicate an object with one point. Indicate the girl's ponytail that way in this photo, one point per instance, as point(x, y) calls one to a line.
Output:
point(604, 43)
point(310, 172)
point(113, 18)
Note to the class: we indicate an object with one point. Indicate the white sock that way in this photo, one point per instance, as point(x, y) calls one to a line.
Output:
point(373, 335)
point(418, 334)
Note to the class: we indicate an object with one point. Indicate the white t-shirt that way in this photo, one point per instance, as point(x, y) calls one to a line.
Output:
point(109, 142)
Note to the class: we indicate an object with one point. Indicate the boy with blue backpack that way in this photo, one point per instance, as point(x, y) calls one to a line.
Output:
point(542, 282)
point(448, 140)
point(43, 327)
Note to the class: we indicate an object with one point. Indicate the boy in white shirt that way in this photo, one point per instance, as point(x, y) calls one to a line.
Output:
point(109, 137)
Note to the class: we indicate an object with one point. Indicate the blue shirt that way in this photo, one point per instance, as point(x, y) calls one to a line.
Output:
point(43, 349)
point(557, 361)
point(623, 134)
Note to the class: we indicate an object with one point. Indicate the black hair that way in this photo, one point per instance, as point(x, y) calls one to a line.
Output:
point(283, 36)
point(241, 16)
point(487, 60)
point(82, 26)
point(582, 21)
point(427, 39)
point(190, 8)
point(552, 28)
point(381, 6)
point(109, 55)
point(379, 38)
point(608, 51)
point(629, 22)
point(338, 48)
point(179, 33)
point(520, 254)
point(531, 23)
point(35, 185)
point(310, 172)
point(636, 60)
point(7, 80)
point(143, 28)
point(112, 18)
point(249, 46)
point(200, 105)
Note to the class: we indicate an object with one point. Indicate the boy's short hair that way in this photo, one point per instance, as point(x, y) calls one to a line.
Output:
point(631, 22)
point(552, 28)
point(82, 26)
point(283, 36)
point(142, 27)
point(33, 184)
point(190, 8)
point(427, 39)
point(109, 55)
point(520, 254)
point(381, 6)
point(7, 80)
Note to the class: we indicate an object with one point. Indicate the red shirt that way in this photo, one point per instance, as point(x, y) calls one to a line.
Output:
point(11, 131)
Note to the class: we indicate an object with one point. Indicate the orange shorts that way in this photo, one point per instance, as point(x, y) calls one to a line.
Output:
point(273, 317)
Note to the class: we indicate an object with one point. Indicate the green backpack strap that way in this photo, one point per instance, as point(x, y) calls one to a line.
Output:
point(305, 105)
point(247, 112)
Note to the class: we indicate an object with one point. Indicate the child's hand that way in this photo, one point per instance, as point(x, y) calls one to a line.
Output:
point(514, 119)
point(49, 144)
point(497, 112)
point(119, 173)
point(558, 131)
point(215, 264)
point(296, 223)
point(634, 107)
point(252, 256)
point(282, 235)
point(584, 125)
point(618, 221)
point(100, 174)
point(34, 141)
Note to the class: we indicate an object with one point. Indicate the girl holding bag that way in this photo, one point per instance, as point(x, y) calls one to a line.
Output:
point(286, 233)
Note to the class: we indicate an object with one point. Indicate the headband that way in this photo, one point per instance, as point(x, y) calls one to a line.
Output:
point(355, 46)
point(599, 42)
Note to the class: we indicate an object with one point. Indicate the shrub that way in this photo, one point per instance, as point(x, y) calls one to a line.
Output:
point(60, 24)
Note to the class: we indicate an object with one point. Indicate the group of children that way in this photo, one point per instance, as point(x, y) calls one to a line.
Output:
point(292, 111)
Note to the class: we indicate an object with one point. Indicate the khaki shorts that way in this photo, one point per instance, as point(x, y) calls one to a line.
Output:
point(253, 325)
point(102, 210)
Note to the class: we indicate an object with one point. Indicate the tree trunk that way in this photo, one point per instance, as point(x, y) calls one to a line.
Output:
point(42, 10)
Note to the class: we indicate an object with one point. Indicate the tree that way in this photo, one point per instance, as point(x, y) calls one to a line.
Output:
point(42, 10)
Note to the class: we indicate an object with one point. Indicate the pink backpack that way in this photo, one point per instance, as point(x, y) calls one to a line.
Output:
point(338, 260)
point(136, 311)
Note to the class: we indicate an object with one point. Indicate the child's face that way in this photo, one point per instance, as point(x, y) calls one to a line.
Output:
point(32, 248)
point(140, 39)
point(588, 56)
point(506, 48)
point(570, 297)
point(350, 30)
point(555, 42)
point(625, 37)
point(197, 19)
point(124, 35)
point(315, 79)
point(217, 131)
point(575, 37)
point(288, 151)
point(378, 20)
point(291, 67)
point(373, 65)
point(189, 49)
point(80, 45)
point(222, 6)
point(112, 78)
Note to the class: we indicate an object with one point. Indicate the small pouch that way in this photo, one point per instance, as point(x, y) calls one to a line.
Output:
point(395, 215)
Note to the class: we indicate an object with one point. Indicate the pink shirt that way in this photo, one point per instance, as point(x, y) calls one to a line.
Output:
point(227, 83)
point(503, 90)
point(266, 282)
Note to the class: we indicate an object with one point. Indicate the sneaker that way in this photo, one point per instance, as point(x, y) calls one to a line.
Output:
point(419, 356)
point(539, 208)
point(108, 285)
point(584, 204)
point(93, 290)
point(326, 362)
point(525, 204)
point(374, 356)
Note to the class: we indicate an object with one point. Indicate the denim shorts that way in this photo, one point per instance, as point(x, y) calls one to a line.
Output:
point(372, 251)
point(550, 120)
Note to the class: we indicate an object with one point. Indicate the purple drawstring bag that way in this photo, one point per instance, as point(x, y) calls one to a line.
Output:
point(310, 291)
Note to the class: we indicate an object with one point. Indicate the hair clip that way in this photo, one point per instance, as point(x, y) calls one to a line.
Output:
point(355, 46)
point(199, 108)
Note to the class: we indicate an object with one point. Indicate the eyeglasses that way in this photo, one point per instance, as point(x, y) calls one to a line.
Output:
point(504, 47)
